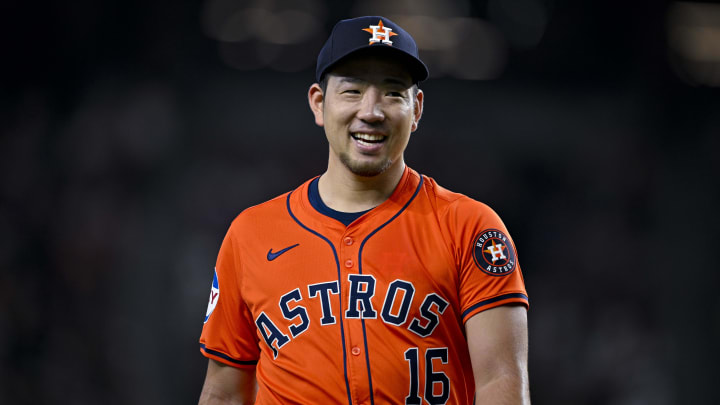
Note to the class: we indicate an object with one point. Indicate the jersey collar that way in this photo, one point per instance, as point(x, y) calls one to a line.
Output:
point(304, 211)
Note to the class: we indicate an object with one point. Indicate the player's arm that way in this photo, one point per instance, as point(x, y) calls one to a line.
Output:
point(226, 385)
point(498, 345)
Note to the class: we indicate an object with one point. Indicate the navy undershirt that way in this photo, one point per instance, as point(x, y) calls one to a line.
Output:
point(345, 217)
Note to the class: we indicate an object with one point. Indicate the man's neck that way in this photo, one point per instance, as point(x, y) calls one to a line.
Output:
point(344, 191)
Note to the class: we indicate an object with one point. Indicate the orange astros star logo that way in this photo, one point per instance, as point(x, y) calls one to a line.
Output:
point(495, 251)
point(380, 33)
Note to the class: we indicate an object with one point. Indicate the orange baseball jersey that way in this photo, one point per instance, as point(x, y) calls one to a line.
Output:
point(371, 313)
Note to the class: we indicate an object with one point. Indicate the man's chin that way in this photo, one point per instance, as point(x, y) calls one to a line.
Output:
point(365, 169)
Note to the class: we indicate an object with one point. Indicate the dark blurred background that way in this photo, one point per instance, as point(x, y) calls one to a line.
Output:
point(133, 132)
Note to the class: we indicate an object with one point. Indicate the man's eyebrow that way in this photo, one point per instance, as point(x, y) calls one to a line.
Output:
point(390, 80)
point(400, 82)
point(353, 80)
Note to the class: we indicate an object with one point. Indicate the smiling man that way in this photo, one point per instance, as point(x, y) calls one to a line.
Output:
point(369, 284)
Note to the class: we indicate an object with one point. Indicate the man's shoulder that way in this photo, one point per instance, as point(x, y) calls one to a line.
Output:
point(460, 214)
point(269, 207)
point(449, 201)
point(262, 214)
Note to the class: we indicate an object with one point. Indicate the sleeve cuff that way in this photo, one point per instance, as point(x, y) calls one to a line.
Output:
point(224, 358)
point(495, 302)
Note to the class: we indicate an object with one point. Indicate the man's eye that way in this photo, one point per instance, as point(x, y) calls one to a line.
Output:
point(395, 94)
point(351, 91)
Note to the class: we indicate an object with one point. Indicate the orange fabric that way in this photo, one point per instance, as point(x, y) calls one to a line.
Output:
point(418, 247)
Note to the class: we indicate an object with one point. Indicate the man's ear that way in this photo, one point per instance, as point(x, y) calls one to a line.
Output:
point(316, 99)
point(417, 109)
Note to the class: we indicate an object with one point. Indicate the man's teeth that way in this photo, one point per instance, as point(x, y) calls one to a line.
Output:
point(368, 137)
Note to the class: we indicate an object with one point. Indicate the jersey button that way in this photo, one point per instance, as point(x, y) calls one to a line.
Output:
point(348, 240)
point(348, 263)
point(355, 351)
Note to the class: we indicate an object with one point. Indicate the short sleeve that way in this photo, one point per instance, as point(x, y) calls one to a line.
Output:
point(229, 334)
point(490, 273)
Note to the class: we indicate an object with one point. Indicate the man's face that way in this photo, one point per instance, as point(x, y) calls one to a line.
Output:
point(368, 110)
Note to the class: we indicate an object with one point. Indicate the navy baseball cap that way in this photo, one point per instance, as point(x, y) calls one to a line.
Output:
point(370, 34)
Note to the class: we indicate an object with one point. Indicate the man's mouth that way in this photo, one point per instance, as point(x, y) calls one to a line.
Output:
point(368, 139)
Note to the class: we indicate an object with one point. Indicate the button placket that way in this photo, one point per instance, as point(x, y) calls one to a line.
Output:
point(348, 246)
point(348, 251)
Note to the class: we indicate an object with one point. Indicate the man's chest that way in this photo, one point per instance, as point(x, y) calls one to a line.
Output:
point(399, 277)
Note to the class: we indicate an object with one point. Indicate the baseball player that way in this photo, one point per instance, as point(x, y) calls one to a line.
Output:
point(369, 284)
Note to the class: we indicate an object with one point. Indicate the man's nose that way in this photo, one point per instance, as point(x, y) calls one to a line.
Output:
point(371, 109)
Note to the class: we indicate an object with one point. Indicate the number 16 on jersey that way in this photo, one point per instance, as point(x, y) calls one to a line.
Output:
point(437, 384)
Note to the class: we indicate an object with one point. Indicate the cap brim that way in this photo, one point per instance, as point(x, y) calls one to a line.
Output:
point(417, 69)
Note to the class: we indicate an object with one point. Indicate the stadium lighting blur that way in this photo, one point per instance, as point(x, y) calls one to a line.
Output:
point(264, 33)
point(448, 8)
point(694, 40)
point(278, 34)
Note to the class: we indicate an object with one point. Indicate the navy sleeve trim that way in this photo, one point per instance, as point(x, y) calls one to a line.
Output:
point(493, 300)
point(226, 357)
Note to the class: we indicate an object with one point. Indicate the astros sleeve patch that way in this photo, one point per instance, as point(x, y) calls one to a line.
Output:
point(490, 274)
point(493, 253)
